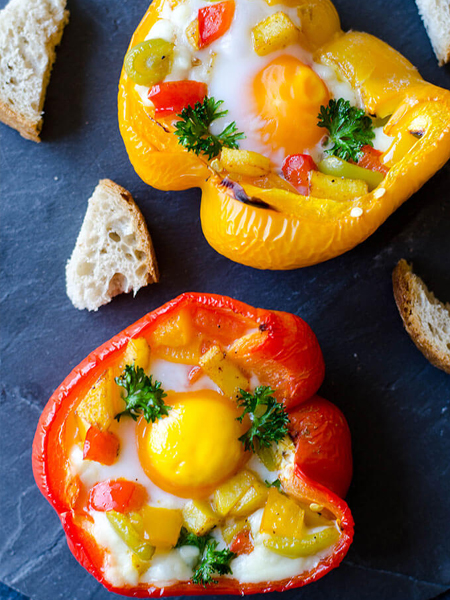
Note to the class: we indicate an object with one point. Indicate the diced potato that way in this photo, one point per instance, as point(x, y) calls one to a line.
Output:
point(244, 162)
point(223, 372)
point(230, 492)
point(319, 21)
point(251, 501)
point(336, 188)
point(175, 331)
point(282, 516)
point(274, 33)
point(232, 527)
point(101, 404)
point(199, 517)
point(159, 526)
point(192, 34)
point(137, 353)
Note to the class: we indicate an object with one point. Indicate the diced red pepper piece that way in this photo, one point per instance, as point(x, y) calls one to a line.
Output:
point(371, 160)
point(194, 374)
point(296, 169)
point(214, 21)
point(170, 97)
point(120, 495)
point(101, 446)
point(242, 544)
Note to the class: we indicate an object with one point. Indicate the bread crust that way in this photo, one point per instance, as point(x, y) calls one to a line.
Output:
point(27, 129)
point(405, 283)
point(141, 226)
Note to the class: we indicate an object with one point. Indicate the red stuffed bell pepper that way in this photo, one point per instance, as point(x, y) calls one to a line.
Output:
point(189, 455)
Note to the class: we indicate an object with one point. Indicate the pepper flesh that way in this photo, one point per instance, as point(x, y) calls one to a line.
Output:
point(284, 340)
point(318, 229)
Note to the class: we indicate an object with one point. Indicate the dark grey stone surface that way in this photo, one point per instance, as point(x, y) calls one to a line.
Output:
point(396, 403)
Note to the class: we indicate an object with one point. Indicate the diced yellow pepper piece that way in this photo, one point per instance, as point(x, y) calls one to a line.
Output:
point(274, 33)
point(137, 353)
point(232, 527)
point(199, 517)
point(225, 374)
point(251, 501)
point(102, 403)
point(159, 526)
point(282, 516)
point(192, 34)
point(175, 331)
point(402, 144)
point(308, 545)
point(336, 188)
point(230, 492)
point(244, 162)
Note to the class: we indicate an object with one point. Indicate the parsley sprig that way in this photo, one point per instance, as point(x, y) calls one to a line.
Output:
point(143, 396)
point(349, 127)
point(190, 539)
point(269, 418)
point(193, 129)
point(275, 484)
point(211, 561)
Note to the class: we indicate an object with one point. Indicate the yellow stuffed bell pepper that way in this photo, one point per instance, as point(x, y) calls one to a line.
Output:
point(321, 134)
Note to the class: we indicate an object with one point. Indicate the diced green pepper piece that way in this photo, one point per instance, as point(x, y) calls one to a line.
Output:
point(308, 545)
point(267, 456)
point(341, 168)
point(128, 534)
point(149, 62)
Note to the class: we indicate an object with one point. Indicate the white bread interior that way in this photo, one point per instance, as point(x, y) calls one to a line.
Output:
point(113, 253)
point(29, 32)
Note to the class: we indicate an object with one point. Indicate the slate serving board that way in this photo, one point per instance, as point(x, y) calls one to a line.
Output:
point(396, 403)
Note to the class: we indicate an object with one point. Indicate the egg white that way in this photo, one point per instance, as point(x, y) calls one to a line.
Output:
point(169, 566)
point(229, 66)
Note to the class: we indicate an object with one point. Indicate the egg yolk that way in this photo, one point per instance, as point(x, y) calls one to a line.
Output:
point(196, 447)
point(288, 96)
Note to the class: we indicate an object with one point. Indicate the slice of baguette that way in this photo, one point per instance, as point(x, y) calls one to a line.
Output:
point(29, 32)
point(114, 251)
point(436, 17)
point(426, 319)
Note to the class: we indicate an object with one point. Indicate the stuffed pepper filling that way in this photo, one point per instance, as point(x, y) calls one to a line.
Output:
point(183, 458)
point(241, 85)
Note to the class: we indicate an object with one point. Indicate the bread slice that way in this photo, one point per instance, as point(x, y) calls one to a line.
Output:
point(114, 251)
point(436, 17)
point(426, 319)
point(29, 32)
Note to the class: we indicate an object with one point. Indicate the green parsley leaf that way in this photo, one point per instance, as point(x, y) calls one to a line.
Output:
point(193, 129)
point(143, 396)
point(190, 539)
point(275, 484)
point(349, 127)
point(213, 561)
point(269, 418)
